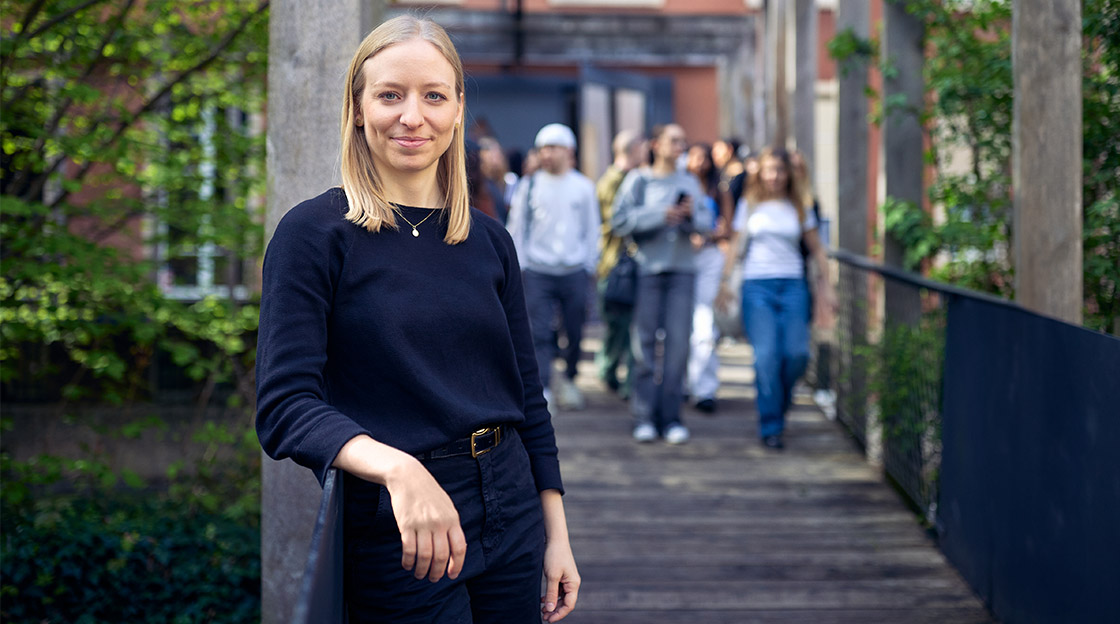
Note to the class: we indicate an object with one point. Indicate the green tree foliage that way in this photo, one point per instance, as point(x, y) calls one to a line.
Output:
point(1101, 195)
point(126, 149)
point(130, 167)
point(969, 76)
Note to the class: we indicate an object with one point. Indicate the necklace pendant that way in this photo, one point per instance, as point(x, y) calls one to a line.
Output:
point(415, 233)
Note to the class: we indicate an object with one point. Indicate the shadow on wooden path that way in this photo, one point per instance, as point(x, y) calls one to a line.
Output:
point(720, 530)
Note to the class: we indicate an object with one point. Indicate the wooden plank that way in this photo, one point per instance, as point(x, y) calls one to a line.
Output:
point(722, 530)
point(931, 593)
point(784, 616)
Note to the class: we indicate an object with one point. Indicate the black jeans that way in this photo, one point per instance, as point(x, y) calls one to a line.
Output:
point(500, 512)
point(544, 296)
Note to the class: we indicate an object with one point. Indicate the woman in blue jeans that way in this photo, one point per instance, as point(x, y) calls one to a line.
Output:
point(780, 233)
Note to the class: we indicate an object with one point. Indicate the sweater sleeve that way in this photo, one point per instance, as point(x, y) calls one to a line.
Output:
point(301, 268)
point(631, 215)
point(536, 431)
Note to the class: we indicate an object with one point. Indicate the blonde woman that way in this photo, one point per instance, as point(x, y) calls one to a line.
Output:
point(775, 296)
point(394, 346)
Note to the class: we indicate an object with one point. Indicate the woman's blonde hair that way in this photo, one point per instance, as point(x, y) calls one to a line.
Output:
point(360, 179)
point(796, 190)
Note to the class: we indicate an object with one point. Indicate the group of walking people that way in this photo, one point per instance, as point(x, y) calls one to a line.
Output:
point(691, 219)
point(407, 338)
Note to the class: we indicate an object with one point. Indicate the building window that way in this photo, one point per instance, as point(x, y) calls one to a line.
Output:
point(428, 2)
point(192, 262)
point(613, 4)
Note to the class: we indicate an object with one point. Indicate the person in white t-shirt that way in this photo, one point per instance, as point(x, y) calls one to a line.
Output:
point(554, 223)
point(781, 233)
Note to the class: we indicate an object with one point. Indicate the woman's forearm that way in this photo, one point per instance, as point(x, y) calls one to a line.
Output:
point(555, 521)
point(374, 461)
point(730, 259)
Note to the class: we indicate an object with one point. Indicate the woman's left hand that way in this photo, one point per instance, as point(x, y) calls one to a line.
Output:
point(824, 316)
point(561, 581)
point(560, 575)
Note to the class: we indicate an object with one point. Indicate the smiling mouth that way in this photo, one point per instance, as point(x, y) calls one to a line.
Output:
point(410, 142)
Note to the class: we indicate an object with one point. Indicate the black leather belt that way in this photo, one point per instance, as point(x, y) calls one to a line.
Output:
point(480, 442)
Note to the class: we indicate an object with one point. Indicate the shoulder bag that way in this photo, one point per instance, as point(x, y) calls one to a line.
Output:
point(622, 281)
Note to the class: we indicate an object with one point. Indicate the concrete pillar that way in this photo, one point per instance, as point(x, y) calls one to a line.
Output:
point(805, 91)
point(760, 87)
point(852, 131)
point(903, 46)
point(777, 97)
point(310, 43)
point(1046, 156)
point(852, 226)
point(736, 75)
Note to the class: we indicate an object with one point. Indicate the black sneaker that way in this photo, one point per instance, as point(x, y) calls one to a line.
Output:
point(773, 442)
point(611, 382)
point(706, 405)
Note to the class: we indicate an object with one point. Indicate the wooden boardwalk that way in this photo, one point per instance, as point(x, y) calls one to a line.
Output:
point(719, 530)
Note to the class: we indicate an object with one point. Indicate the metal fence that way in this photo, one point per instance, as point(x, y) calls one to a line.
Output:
point(1000, 424)
point(885, 371)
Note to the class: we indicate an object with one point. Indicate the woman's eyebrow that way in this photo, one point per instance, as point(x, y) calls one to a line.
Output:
point(396, 85)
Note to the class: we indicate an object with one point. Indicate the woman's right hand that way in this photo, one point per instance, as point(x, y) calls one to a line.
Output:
point(724, 296)
point(679, 213)
point(432, 539)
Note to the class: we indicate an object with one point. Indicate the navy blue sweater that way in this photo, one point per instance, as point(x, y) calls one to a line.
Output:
point(407, 339)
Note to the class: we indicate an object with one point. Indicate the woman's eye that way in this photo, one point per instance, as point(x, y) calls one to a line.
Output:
point(389, 96)
point(434, 96)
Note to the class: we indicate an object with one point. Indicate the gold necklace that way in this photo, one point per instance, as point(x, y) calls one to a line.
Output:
point(416, 232)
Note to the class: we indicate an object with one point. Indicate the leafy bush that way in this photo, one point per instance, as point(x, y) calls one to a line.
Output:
point(86, 542)
point(96, 560)
point(900, 377)
point(905, 376)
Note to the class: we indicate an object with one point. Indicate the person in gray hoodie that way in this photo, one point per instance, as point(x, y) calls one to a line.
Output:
point(659, 207)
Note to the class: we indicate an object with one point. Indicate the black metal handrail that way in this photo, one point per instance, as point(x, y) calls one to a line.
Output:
point(914, 279)
point(321, 592)
point(999, 423)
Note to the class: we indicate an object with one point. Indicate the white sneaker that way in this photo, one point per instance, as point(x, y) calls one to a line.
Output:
point(677, 434)
point(568, 395)
point(645, 433)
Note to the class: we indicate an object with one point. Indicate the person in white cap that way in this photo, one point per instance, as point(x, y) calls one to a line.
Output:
point(554, 222)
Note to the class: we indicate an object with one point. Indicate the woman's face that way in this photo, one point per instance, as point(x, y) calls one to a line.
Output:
point(409, 107)
point(531, 163)
point(670, 145)
point(493, 161)
point(698, 161)
point(721, 153)
point(774, 176)
point(751, 166)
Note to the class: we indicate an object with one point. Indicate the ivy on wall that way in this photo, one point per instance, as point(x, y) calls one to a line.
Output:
point(968, 74)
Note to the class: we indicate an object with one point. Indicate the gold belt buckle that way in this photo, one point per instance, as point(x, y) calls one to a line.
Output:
point(481, 432)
